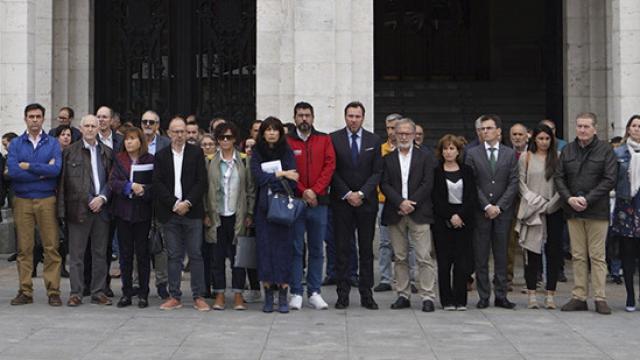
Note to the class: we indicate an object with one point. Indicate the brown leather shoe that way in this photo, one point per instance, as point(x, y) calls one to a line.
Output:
point(54, 300)
point(201, 305)
point(218, 304)
point(575, 305)
point(74, 300)
point(171, 304)
point(238, 302)
point(22, 299)
point(101, 299)
point(602, 307)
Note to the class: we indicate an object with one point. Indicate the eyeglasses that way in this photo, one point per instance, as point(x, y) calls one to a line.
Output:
point(226, 138)
point(148, 122)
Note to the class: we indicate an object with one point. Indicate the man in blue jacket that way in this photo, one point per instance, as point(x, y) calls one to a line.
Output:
point(34, 163)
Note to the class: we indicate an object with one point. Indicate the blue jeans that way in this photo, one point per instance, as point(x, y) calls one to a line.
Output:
point(184, 234)
point(330, 244)
point(313, 221)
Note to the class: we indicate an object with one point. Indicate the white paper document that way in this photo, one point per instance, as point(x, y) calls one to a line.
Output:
point(271, 167)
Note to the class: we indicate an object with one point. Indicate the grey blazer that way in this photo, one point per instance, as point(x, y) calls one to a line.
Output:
point(499, 188)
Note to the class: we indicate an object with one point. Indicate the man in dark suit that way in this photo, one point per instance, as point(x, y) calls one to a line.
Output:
point(354, 201)
point(150, 125)
point(496, 172)
point(179, 184)
point(407, 181)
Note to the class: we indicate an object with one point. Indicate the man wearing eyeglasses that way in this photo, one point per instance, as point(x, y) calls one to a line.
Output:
point(150, 124)
point(65, 117)
point(496, 172)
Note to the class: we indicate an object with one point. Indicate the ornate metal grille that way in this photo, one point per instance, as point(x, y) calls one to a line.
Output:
point(176, 57)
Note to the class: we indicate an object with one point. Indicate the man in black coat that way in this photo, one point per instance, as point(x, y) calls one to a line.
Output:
point(354, 201)
point(407, 181)
point(179, 183)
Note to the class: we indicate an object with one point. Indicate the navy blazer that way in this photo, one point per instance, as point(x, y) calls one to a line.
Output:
point(365, 176)
point(193, 180)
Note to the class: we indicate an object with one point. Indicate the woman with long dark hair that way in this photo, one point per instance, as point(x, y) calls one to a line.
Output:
point(272, 162)
point(131, 206)
point(454, 201)
point(626, 215)
point(539, 219)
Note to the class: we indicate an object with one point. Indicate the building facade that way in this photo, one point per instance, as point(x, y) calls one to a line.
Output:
point(318, 51)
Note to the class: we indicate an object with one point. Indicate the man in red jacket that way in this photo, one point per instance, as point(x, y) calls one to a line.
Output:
point(315, 162)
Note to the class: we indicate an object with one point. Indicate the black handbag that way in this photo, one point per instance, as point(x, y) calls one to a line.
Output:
point(284, 209)
point(156, 243)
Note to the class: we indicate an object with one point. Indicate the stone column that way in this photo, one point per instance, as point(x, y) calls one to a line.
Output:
point(17, 61)
point(317, 51)
point(625, 62)
point(73, 56)
point(585, 75)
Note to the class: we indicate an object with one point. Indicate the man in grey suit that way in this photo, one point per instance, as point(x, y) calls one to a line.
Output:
point(495, 168)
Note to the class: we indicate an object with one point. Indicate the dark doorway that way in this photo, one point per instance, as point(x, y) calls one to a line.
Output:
point(445, 62)
point(177, 57)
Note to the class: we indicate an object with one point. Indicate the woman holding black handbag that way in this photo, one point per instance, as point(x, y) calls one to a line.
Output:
point(273, 165)
point(131, 206)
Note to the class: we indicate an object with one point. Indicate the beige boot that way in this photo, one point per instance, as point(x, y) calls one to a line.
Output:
point(218, 304)
point(548, 300)
point(238, 302)
point(533, 302)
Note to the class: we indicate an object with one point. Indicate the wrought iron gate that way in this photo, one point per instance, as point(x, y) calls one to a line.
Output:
point(176, 57)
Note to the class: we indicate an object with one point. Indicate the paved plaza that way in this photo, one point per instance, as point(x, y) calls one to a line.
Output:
point(39, 331)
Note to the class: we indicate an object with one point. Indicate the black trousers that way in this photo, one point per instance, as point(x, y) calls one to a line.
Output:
point(630, 253)
point(553, 252)
point(347, 220)
point(223, 249)
point(454, 254)
point(133, 240)
point(207, 260)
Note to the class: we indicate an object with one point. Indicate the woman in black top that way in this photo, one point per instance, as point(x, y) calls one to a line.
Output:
point(454, 197)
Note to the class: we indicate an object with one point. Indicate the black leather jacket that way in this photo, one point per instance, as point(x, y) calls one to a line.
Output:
point(588, 171)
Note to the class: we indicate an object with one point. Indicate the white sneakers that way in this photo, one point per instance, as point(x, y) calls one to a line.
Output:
point(315, 300)
point(296, 302)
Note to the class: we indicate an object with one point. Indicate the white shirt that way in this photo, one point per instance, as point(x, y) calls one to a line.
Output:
point(35, 141)
point(177, 172)
point(107, 140)
point(230, 186)
point(496, 147)
point(405, 164)
point(455, 190)
point(93, 149)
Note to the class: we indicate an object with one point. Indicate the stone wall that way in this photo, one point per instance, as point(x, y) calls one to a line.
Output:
point(317, 51)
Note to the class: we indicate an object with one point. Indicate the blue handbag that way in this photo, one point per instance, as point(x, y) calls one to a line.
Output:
point(284, 209)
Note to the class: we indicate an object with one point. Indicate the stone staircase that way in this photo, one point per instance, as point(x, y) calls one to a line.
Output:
point(451, 107)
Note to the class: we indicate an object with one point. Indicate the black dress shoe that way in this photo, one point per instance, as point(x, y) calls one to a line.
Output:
point(382, 287)
point(328, 281)
point(124, 302)
point(427, 306)
point(342, 303)
point(13, 257)
point(143, 303)
point(482, 304)
point(369, 303)
point(64, 273)
point(504, 303)
point(401, 303)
